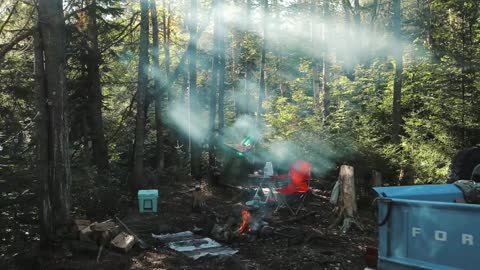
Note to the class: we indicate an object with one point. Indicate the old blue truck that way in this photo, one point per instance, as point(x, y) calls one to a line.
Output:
point(431, 226)
point(427, 227)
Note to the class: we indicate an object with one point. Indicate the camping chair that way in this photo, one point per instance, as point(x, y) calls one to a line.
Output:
point(300, 175)
point(245, 147)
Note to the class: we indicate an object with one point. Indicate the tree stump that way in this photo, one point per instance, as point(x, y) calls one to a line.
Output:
point(347, 192)
point(347, 203)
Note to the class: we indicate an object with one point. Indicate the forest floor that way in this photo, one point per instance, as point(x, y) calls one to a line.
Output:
point(313, 246)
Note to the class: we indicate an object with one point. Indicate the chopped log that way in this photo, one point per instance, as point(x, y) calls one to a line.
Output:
point(104, 238)
point(123, 242)
point(104, 226)
point(79, 225)
point(140, 241)
point(86, 234)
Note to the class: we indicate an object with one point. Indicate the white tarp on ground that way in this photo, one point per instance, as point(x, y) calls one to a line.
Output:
point(193, 246)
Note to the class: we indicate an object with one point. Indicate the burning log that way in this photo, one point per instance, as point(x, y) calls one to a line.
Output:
point(245, 225)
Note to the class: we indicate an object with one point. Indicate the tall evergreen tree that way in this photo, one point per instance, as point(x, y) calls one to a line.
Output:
point(262, 89)
point(195, 153)
point(157, 86)
point(221, 74)
point(397, 85)
point(166, 24)
point(53, 154)
point(314, 33)
point(139, 152)
point(99, 144)
point(213, 90)
point(325, 62)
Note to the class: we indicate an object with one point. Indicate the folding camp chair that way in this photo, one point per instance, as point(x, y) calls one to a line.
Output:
point(299, 188)
point(245, 147)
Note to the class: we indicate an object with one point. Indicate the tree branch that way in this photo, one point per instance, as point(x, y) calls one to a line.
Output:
point(5, 48)
point(181, 64)
point(9, 16)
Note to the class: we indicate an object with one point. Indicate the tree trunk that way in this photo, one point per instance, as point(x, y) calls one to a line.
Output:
point(235, 45)
point(157, 85)
point(376, 179)
point(262, 91)
point(314, 41)
point(99, 144)
point(248, 64)
point(142, 90)
point(213, 91)
point(221, 78)
point(54, 158)
point(397, 84)
point(350, 57)
point(347, 203)
point(166, 41)
point(42, 169)
point(356, 14)
point(347, 194)
point(325, 64)
point(194, 106)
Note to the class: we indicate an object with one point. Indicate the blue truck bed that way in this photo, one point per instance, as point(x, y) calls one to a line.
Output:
point(424, 227)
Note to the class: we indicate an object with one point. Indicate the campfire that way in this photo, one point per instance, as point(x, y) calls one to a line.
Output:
point(245, 225)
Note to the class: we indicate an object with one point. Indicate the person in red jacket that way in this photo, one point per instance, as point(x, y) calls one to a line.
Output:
point(299, 173)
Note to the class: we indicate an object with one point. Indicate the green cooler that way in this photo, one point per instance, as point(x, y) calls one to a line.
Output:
point(147, 200)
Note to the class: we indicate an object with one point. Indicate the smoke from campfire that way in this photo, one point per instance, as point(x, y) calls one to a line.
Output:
point(280, 147)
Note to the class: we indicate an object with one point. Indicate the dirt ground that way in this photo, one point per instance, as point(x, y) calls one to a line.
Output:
point(308, 243)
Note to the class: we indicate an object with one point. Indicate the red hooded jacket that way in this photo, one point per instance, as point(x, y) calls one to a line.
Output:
point(300, 172)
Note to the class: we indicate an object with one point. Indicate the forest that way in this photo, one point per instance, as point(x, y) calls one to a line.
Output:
point(102, 98)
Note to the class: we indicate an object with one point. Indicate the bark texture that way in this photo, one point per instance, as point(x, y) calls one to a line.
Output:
point(157, 88)
point(53, 154)
point(192, 70)
point(99, 144)
point(142, 90)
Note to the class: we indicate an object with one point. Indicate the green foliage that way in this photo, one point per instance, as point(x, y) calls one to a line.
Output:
point(440, 90)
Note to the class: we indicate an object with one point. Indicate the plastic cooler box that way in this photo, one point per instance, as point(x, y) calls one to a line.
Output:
point(427, 227)
point(147, 200)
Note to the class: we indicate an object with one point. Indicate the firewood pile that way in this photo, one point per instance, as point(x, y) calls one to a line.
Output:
point(112, 234)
